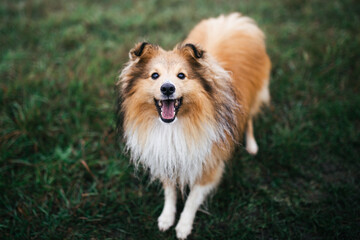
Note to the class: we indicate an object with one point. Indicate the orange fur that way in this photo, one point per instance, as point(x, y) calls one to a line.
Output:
point(226, 82)
point(242, 53)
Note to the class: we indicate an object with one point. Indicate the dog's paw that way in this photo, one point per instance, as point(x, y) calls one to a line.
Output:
point(252, 147)
point(183, 229)
point(165, 221)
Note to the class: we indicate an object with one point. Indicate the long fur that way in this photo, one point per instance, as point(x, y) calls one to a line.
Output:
point(179, 151)
point(227, 70)
point(181, 112)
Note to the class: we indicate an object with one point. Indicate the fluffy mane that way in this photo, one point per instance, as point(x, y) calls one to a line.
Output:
point(178, 151)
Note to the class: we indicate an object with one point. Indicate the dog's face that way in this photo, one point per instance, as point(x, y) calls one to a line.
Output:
point(166, 84)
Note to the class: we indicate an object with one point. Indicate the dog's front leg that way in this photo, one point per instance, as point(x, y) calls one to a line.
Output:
point(198, 193)
point(196, 197)
point(167, 216)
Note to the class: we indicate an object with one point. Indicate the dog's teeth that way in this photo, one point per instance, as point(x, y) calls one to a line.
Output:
point(160, 103)
point(176, 103)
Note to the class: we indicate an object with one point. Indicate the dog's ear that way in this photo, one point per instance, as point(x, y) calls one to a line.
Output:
point(195, 51)
point(140, 50)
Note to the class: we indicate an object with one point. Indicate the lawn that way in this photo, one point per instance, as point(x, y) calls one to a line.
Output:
point(62, 175)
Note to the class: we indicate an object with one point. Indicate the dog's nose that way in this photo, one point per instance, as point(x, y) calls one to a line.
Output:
point(167, 89)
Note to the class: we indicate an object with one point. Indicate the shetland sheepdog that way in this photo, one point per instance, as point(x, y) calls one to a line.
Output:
point(183, 111)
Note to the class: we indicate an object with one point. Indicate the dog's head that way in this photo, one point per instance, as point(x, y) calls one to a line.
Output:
point(167, 84)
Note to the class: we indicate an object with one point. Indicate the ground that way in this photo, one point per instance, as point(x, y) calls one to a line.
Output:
point(62, 175)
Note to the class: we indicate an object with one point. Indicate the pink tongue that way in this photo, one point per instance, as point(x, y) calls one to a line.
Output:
point(168, 110)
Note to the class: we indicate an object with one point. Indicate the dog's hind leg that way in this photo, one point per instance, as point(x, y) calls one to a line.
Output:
point(167, 216)
point(263, 98)
point(251, 145)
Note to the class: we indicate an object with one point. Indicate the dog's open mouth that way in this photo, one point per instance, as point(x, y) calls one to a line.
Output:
point(168, 108)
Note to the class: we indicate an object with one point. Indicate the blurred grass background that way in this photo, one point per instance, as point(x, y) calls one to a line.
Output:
point(61, 176)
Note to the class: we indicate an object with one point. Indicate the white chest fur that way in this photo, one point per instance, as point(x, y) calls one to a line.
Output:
point(170, 152)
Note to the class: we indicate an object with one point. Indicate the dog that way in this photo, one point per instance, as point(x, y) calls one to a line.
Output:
point(182, 112)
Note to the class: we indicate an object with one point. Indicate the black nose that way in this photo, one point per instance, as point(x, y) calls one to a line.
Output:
point(167, 89)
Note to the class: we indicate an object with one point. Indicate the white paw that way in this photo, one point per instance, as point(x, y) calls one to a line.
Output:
point(183, 230)
point(252, 147)
point(165, 221)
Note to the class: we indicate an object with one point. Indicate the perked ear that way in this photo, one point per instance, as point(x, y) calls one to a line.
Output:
point(195, 51)
point(139, 50)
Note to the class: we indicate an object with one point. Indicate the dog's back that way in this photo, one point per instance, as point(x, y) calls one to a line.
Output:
point(238, 45)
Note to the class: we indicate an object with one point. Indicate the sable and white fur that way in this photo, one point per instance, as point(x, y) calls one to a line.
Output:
point(185, 138)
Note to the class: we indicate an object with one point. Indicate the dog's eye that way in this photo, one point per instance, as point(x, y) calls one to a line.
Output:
point(155, 76)
point(181, 75)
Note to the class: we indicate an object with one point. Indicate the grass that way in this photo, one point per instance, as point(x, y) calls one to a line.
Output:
point(62, 176)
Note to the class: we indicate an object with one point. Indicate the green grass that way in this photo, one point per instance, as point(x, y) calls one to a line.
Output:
point(62, 176)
